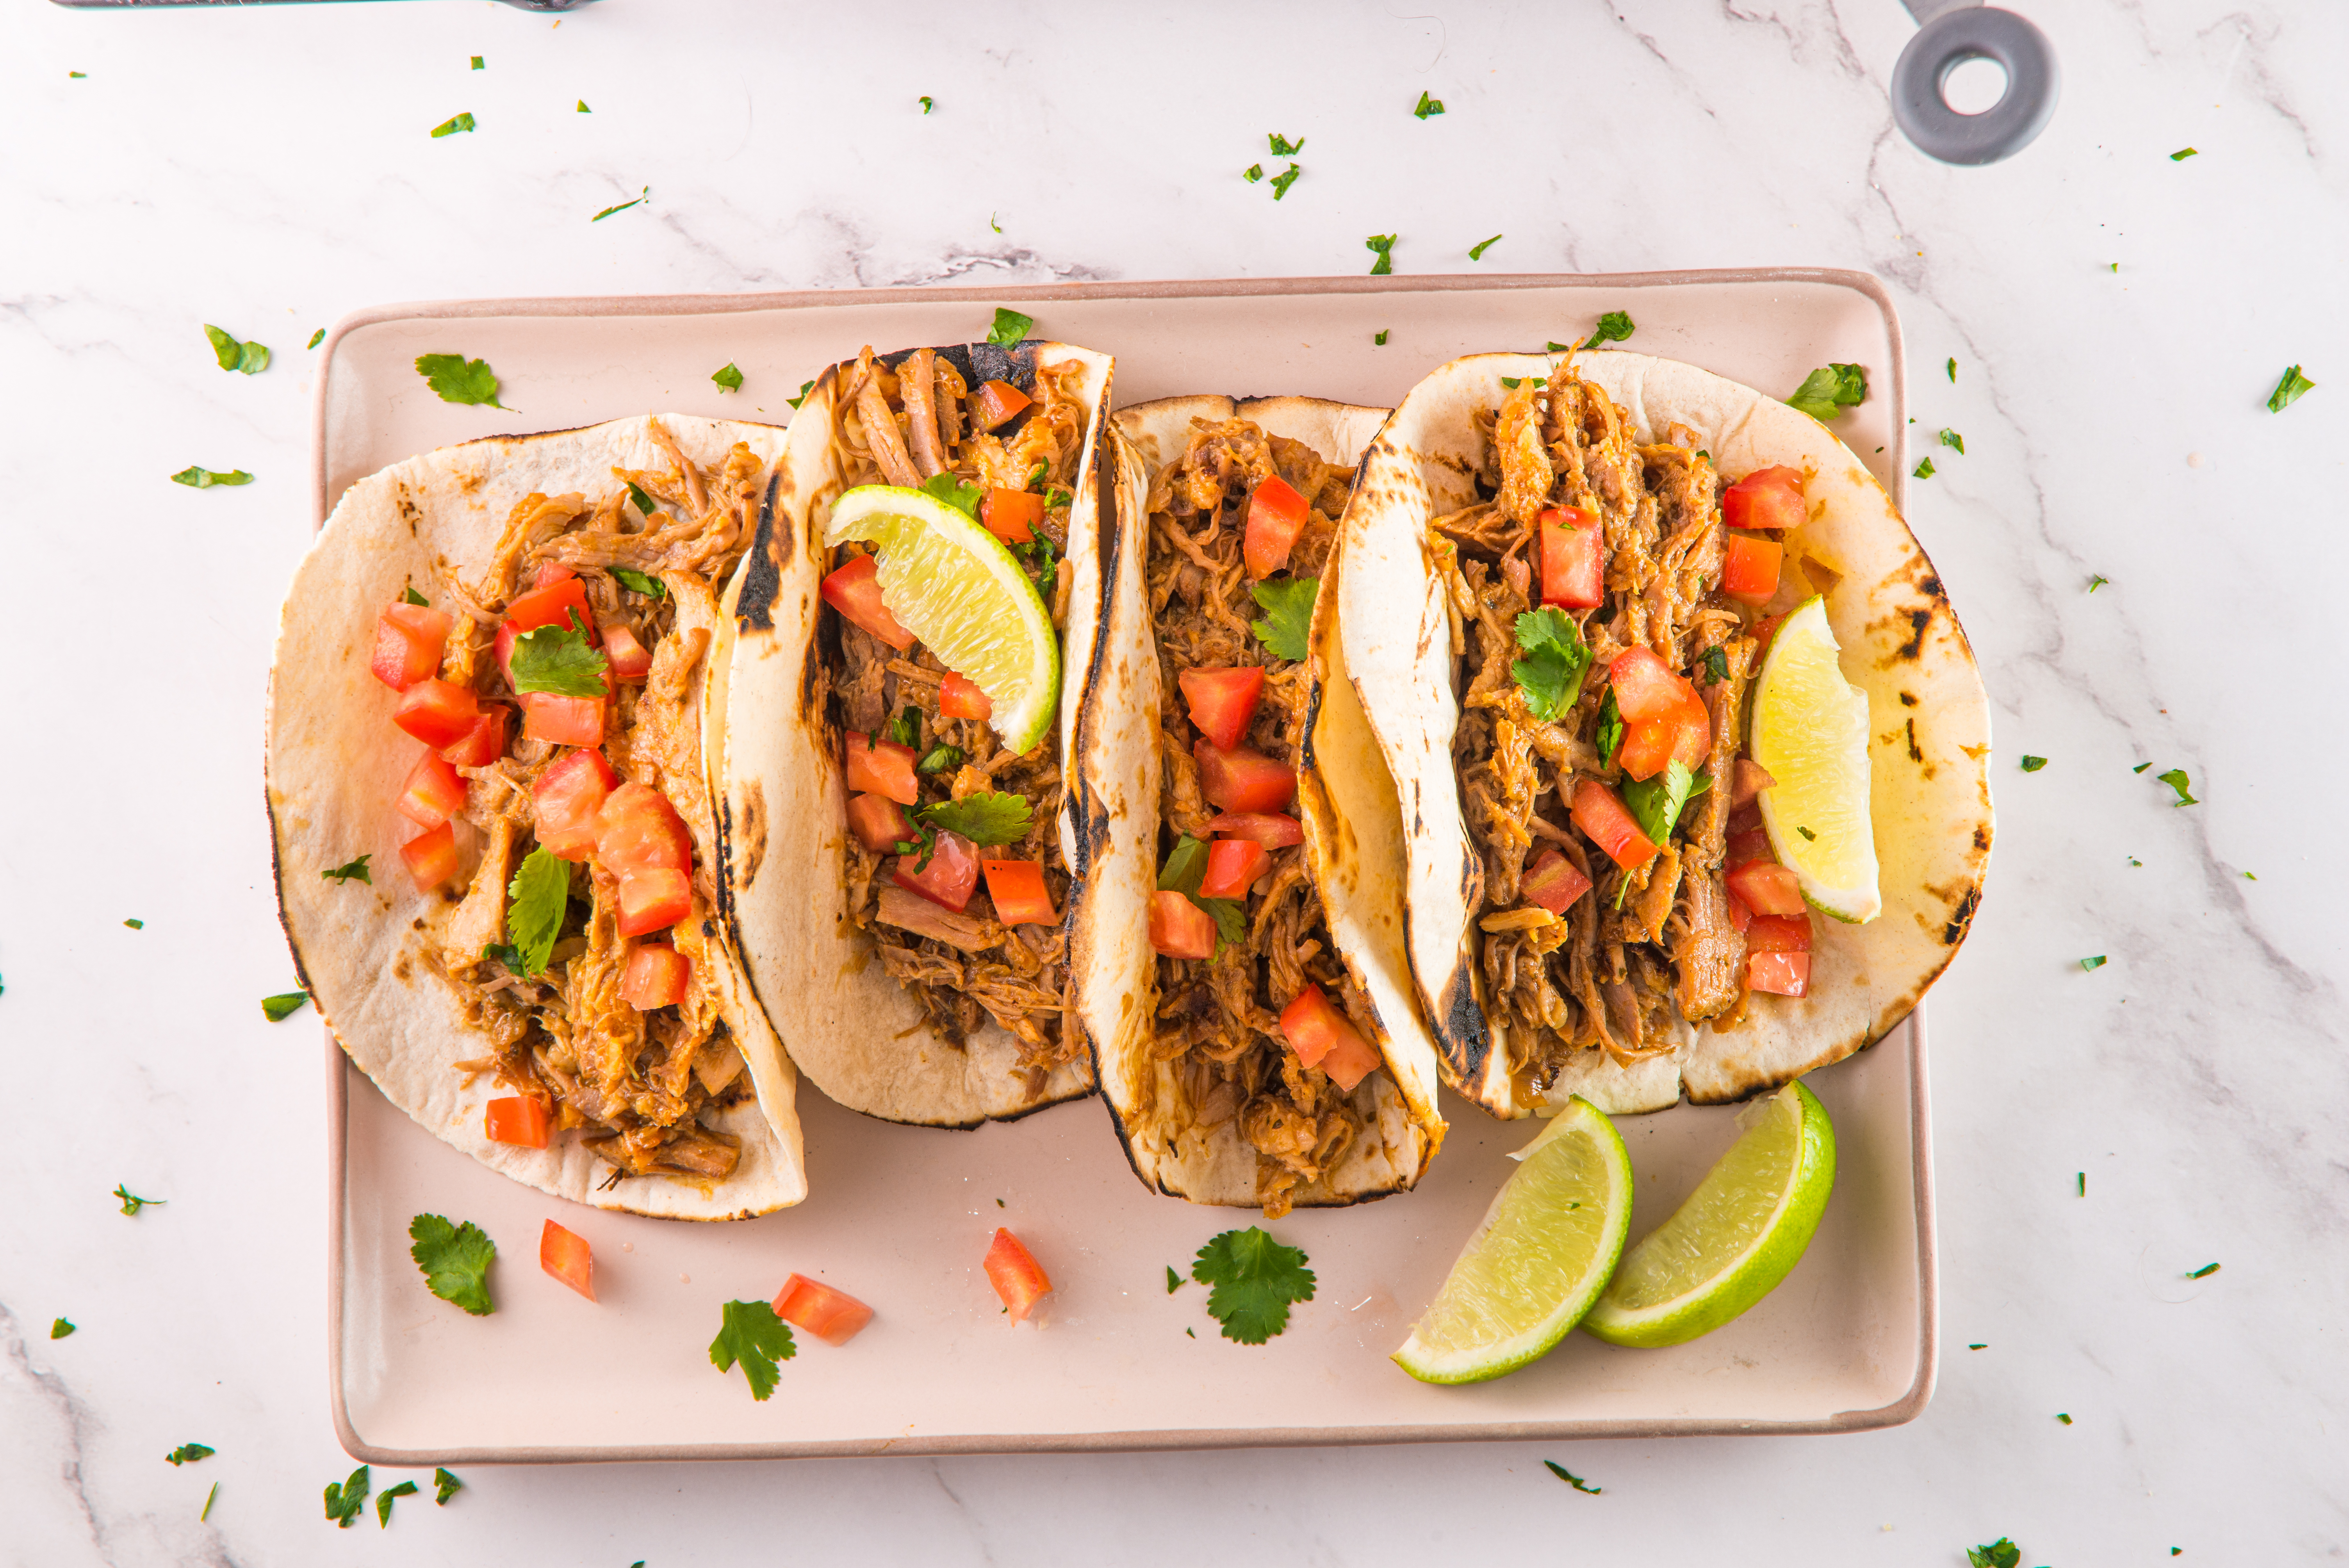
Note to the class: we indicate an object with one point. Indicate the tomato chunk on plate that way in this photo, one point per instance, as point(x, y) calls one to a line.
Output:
point(1769, 498)
point(1179, 928)
point(520, 1119)
point(432, 793)
point(1016, 890)
point(1779, 973)
point(1749, 568)
point(658, 976)
point(1573, 559)
point(1553, 882)
point(629, 658)
point(431, 857)
point(959, 697)
point(831, 1315)
point(564, 720)
point(1778, 933)
point(637, 831)
point(485, 742)
point(1232, 867)
point(437, 712)
point(653, 901)
point(1012, 515)
point(409, 639)
point(950, 878)
point(1599, 812)
point(879, 823)
point(1016, 1274)
point(1767, 887)
point(1276, 517)
point(1223, 702)
point(854, 590)
point(1238, 780)
point(1273, 829)
point(567, 799)
point(996, 403)
point(882, 768)
point(566, 1257)
point(1323, 1037)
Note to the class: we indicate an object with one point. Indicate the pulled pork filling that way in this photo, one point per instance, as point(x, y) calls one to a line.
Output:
point(902, 426)
point(1624, 962)
point(1219, 1018)
point(637, 1082)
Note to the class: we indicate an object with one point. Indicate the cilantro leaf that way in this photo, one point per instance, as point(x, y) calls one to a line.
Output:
point(141, 926)
point(987, 817)
point(197, 478)
point(1186, 867)
point(60, 1328)
point(384, 1499)
point(1009, 327)
point(2176, 778)
point(250, 357)
point(457, 380)
point(795, 402)
point(189, 1453)
point(928, 103)
point(455, 1260)
point(316, 338)
point(957, 492)
point(624, 205)
point(2182, 154)
point(1829, 389)
point(729, 378)
point(2140, 767)
point(1174, 1283)
point(750, 1333)
point(1514, 382)
point(2033, 763)
point(1613, 328)
point(2205, 1272)
point(1288, 604)
point(279, 1008)
point(1255, 1280)
point(1380, 338)
point(452, 125)
point(444, 1487)
point(351, 871)
point(1610, 736)
point(1252, 173)
point(1551, 675)
point(409, 595)
point(906, 726)
point(1923, 471)
point(1716, 666)
point(344, 1498)
point(584, 108)
point(645, 503)
point(1382, 245)
point(1283, 179)
point(558, 659)
point(541, 891)
point(652, 587)
point(477, 62)
point(1999, 1553)
point(1284, 148)
point(1951, 438)
point(1230, 916)
point(939, 759)
point(2097, 582)
point(1427, 106)
point(131, 1204)
point(2287, 391)
point(1953, 369)
point(1571, 1478)
point(1658, 802)
point(2094, 964)
point(1476, 252)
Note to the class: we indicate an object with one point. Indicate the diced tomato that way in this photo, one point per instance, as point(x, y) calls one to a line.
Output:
point(1778, 933)
point(1768, 498)
point(1764, 630)
point(653, 901)
point(1749, 780)
point(949, 879)
point(1270, 829)
point(432, 793)
point(551, 571)
point(1747, 818)
point(409, 639)
point(856, 591)
point(1016, 1275)
point(1767, 887)
point(1740, 916)
point(564, 720)
point(504, 645)
point(1323, 1037)
point(639, 831)
point(1648, 746)
point(1693, 741)
point(879, 823)
point(961, 698)
point(1749, 568)
point(629, 658)
point(1645, 687)
point(520, 1119)
point(1779, 973)
point(1276, 517)
point(1016, 890)
point(1012, 515)
point(1553, 882)
point(431, 857)
point(996, 402)
point(437, 712)
point(1752, 844)
point(831, 1315)
point(1232, 867)
point(658, 976)
point(565, 1256)
point(567, 799)
point(882, 768)
point(1604, 820)
point(562, 603)
point(1242, 780)
point(1223, 701)
point(1179, 928)
point(1573, 559)
point(485, 742)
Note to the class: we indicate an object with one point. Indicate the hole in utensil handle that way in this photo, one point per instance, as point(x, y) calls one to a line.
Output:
point(1975, 33)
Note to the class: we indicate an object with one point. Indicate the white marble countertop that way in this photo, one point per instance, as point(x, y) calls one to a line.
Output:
point(269, 169)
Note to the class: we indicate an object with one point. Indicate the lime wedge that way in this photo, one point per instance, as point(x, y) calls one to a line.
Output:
point(1537, 1261)
point(1810, 734)
point(954, 585)
point(1740, 1232)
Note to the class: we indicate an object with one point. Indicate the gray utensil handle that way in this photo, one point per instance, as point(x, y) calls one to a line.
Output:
point(1948, 39)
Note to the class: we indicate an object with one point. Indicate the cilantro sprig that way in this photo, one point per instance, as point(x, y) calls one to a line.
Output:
point(457, 380)
point(455, 1259)
point(1610, 735)
point(558, 659)
point(1255, 1280)
point(131, 1204)
point(1556, 658)
point(649, 587)
point(454, 124)
point(1288, 604)
point(1828, 391)
point(986, 817)
point(750, 1333)
point(1658, 802)
point(540, 896)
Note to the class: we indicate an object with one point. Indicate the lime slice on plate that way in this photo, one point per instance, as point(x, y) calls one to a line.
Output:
point(1740, 1232)
point(1537, 1261)
point(1810, 734)
point(955, 587)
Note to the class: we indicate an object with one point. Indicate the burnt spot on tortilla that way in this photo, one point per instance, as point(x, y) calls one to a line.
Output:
point(1088, 811)
point(1908, 699)
point(1461, 1028)
point(1982, 837)
point(1961, 917)
point(748, 846)
point(401, 969)
point(1916, 752)
point(762, 567)
point(978, 362)
point(1919, 620)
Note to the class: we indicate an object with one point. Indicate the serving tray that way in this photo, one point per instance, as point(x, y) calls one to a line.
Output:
point(900, 1217)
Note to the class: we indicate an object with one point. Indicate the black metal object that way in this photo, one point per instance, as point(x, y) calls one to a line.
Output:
point(1953, 32)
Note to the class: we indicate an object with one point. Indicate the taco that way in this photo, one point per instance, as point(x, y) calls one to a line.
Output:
point(1250, 1005)
point(511, 927)
point(897, 872)
point(1597, 904)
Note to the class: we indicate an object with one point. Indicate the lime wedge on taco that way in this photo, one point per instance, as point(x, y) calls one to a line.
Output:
point(1810, 734)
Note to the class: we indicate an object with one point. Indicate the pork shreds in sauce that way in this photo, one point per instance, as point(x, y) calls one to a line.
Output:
point(1219, 1018)
point(1625, 962)
point(901, 426)
point(638, 1083)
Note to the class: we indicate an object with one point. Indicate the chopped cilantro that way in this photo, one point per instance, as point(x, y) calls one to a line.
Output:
point(1514, 382)
point(136, 924)
point(77, 76)
point(957, 493)
point(444, 1487)
point(409, 595)
point(1379, 337)
point(131, 1204)
point(645, 503)
point(1284, 148)
point(2204, 1271)
point(59, 1328)
point(640, 200)
point(1658, 802)
point(1254, 1281)
point(344, 1498)
point(209, 1497)
point(1610, 736)
point(316, 338)
point(279, 1008)
point(2033, 763)
point(383, 1502)
point(584, 108)
point(750, 1333)
point(1427, 107)
point(1571, 1478)
point(905, 725)
point(1953, 369)
point(928, 103)
point(1288, 604)
point(2182, 154)
point(2287, 391)
point(1252, 173)
point(993, 224)
point(1808, 837)
point(2097, 582)
point(729, 378)
point(1186, 867)
point(1999, 1553)
point(452, 125)
point(455, 1260)
point(795, 402)
point(2250, 877)
point(989, 817)
point(1186, 1334)
point(1009, 327)
point(651, 587)
point(1556, 658)
point(1716, 665)
point(1283, 179)
point(541, 894)
point(1951, 438)
point(1558, 347)
point(2094, 964)
point(1829, 389)
point(2082, 1176)
point(1613, 328)
point(2062, 1418)
point(2176, 778)
point(1923, 471)
point(558, 659)
point(2140, 767)
point(1230, 916)
point(477, 62)
point(1174, 1283)
point(1978, 1346)
point(189, 1453)
point(939, 759)
point(1476, 252)
point(457, 380)
point(1381, 246)
point(197, 478)
point(250, 357)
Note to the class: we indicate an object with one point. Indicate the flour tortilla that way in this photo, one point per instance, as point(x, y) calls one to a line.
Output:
point(1353, 842)
point(336, 766)
point(782, 807)
point(1928, 752)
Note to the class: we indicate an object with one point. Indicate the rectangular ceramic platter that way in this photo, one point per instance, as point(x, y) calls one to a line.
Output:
point(901, 1217)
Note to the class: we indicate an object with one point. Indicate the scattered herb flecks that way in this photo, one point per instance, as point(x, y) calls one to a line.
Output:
point(1923, 471)
point(645, 195)
point(316, 338)
point(2093, 964)
point(477, 62)
point(136, 924)
point(2204, 1271)
point(1572, 1480)
point(1381, 246)
point(1614, 326)
point(454, 124)
point(209, 1497)
point(2182, 154)
point(2033, 763)
point(1829, 389)
point(196, 477)
point(60, 1327)
point(385, 1498)
point(1283, 179)
point(1282, 147)
point(727, 378)
point(2140, 767)
point(1380, 338)
point(444, 1487)
point(795, 402)
point(2176, 778)
point(1999, 1553)
point(2082, 1177)
point(2287, 391)
point(1476, 252)
point(131, 1204)
point(928, 103)
point(1252, 173)
point(345, 1497)
point(1951, 438)
point(189, 1453)
point(283, 1006)
point(1009, 327)
point(2097, 582)
point(1173, 1280)
point(1953, 369)
point(250, 357)
point(1426, 107)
